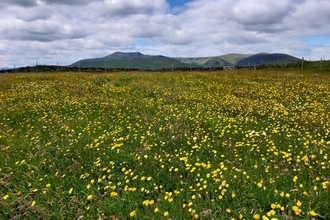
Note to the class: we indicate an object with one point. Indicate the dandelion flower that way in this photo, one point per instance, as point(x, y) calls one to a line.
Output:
point(33, 203)
point(70, 191)
point(166, 213)
point(295, 179)
point(296, 210)
point(113, 194)
point(132, 213)
point(298, 203)
point(90, 197)
point(271, 213)
point(5, 197)
point(312, 213)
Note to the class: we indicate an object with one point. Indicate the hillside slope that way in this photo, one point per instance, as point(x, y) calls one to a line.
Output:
point(139, 60)
point(266, 58)
point(216, 61)
point(130, 60)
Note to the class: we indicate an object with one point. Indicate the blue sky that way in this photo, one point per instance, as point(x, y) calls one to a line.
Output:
point(177, 3)
point(319, 40)
point(65, 31)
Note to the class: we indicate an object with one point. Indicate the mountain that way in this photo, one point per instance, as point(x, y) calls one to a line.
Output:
point(139, 60)
point(129, 56)
point(224, 60)
point(131, 60)
point(267, 58)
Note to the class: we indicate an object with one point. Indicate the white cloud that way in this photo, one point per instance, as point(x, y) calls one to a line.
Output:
point(67, 30)
point(22, 3)
point(69, 2)
point(113, 8)
point(265, 12)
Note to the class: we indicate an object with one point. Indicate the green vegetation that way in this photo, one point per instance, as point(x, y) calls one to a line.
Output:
point(265, 58)
point(131, 60)
point(224, 60)
point(317, 66)
point(139, 60)
point(214, 145)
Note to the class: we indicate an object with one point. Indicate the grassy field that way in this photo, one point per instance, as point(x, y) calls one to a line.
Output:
point(213, 145)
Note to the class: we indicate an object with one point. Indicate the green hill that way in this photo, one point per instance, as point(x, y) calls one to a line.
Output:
point(266, 58)
point(216, 61)
point(131, 60)
point(139, 60)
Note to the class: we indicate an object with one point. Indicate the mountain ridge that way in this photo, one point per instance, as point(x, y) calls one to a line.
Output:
point(131, 60)
point(139, 60)
point(268, 58)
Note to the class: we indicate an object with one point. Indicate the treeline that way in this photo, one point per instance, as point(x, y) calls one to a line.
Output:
point(49, 68)
point(325, 65)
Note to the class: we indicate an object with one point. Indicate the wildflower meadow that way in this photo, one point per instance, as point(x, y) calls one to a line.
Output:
point(174, 145)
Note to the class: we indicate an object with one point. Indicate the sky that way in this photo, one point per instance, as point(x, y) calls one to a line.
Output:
point(65, 31)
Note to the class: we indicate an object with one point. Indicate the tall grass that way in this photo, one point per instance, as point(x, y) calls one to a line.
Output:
point(220, 145)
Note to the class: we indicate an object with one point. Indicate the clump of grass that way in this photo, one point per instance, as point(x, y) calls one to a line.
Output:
point(243, 144)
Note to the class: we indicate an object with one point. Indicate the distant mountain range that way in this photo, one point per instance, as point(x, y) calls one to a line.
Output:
point(139, 60)
point(131, 60)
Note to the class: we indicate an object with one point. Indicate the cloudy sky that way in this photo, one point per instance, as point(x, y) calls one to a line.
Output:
point(64, 31)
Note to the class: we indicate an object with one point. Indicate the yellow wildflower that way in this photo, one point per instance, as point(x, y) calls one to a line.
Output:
point(113, 194)
point(298, 203)
point(132, 213)
point(296, 210)
point(312, 213)
point(145, 202)
point(265, 217)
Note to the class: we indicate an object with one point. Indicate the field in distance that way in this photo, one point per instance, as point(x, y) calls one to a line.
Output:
point(213, 145)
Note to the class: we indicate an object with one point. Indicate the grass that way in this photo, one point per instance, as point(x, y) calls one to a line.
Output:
point(214, 145)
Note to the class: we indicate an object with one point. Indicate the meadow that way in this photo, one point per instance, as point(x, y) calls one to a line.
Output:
point(139, 145)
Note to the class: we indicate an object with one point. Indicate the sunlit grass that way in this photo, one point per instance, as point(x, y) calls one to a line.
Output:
point(213, 145)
